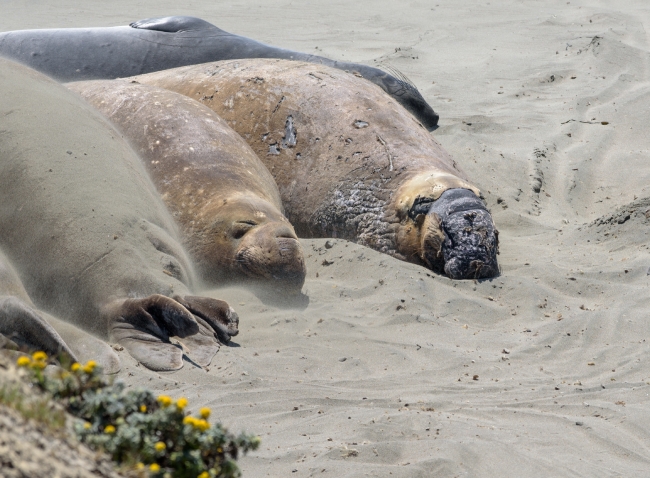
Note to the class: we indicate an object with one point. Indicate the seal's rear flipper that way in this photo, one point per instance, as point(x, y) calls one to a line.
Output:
point(172, 24)
point(398, 74)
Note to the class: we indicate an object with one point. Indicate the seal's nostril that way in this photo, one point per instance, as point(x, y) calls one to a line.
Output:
point(286, 233)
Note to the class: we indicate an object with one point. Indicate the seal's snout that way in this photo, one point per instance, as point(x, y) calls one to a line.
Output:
point(272, 252)
point(471, 246)
point(290, 265)
point(459, 236)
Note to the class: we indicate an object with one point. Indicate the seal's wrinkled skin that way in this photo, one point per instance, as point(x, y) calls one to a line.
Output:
point(86, 230)
point(217, 189)
point(470, 239)
point(349, 161)
point(154, 44)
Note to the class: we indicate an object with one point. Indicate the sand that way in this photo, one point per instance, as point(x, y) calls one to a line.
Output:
point(393, 371)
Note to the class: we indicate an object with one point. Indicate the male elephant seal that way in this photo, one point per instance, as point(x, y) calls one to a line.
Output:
point(84, 227)
point(349, 161)
point(216, 187)
point(75, 54)
point(23, 324)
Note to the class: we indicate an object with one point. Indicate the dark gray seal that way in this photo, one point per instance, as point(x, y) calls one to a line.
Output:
point(154, 44)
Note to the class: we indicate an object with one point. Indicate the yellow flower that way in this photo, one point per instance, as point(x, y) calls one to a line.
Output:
point(39, 355)
point(109, 429)
point(143, 408)
point(181, 403)
point(90, 366)
point(205, 474)
point(160, 446)
point(202, 425)
point(219, 450)
point(139, 466)
point(197, 423)
point(87, 425)
point(75, 366)
point(164, 400)
point(204, 412)
point(39, 365)
point(154, 467)
point(65, 375)
point(23, 361)
point(189, 421)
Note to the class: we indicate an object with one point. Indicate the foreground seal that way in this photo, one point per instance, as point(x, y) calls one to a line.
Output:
point(22, 324)
point(216, 187)
point(84, 227)
point(154, 44)
point(349, 161)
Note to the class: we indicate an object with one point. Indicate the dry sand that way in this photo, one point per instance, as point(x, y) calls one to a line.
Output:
point(391, 371)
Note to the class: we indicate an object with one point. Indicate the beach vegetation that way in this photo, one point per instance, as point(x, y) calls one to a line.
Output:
point(146, 435)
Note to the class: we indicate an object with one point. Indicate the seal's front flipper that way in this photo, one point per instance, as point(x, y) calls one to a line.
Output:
point(202, 346)
point(217, 314)
point(143, 327)
point(155, 355)
point(21, 323)
point(218, 322)
point(172, 24)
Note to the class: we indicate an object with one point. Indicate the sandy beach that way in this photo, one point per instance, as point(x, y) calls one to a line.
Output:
point(391, 370)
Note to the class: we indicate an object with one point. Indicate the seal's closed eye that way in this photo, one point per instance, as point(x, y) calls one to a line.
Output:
point(240, 228)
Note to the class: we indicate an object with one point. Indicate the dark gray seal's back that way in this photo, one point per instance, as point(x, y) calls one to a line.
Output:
point(154, 44)
point(76, 54)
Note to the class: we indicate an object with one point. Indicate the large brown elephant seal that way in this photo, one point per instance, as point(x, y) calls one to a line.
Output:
point(84, 227)
point(218, 190)
point(22, 323)
point(349, 161)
